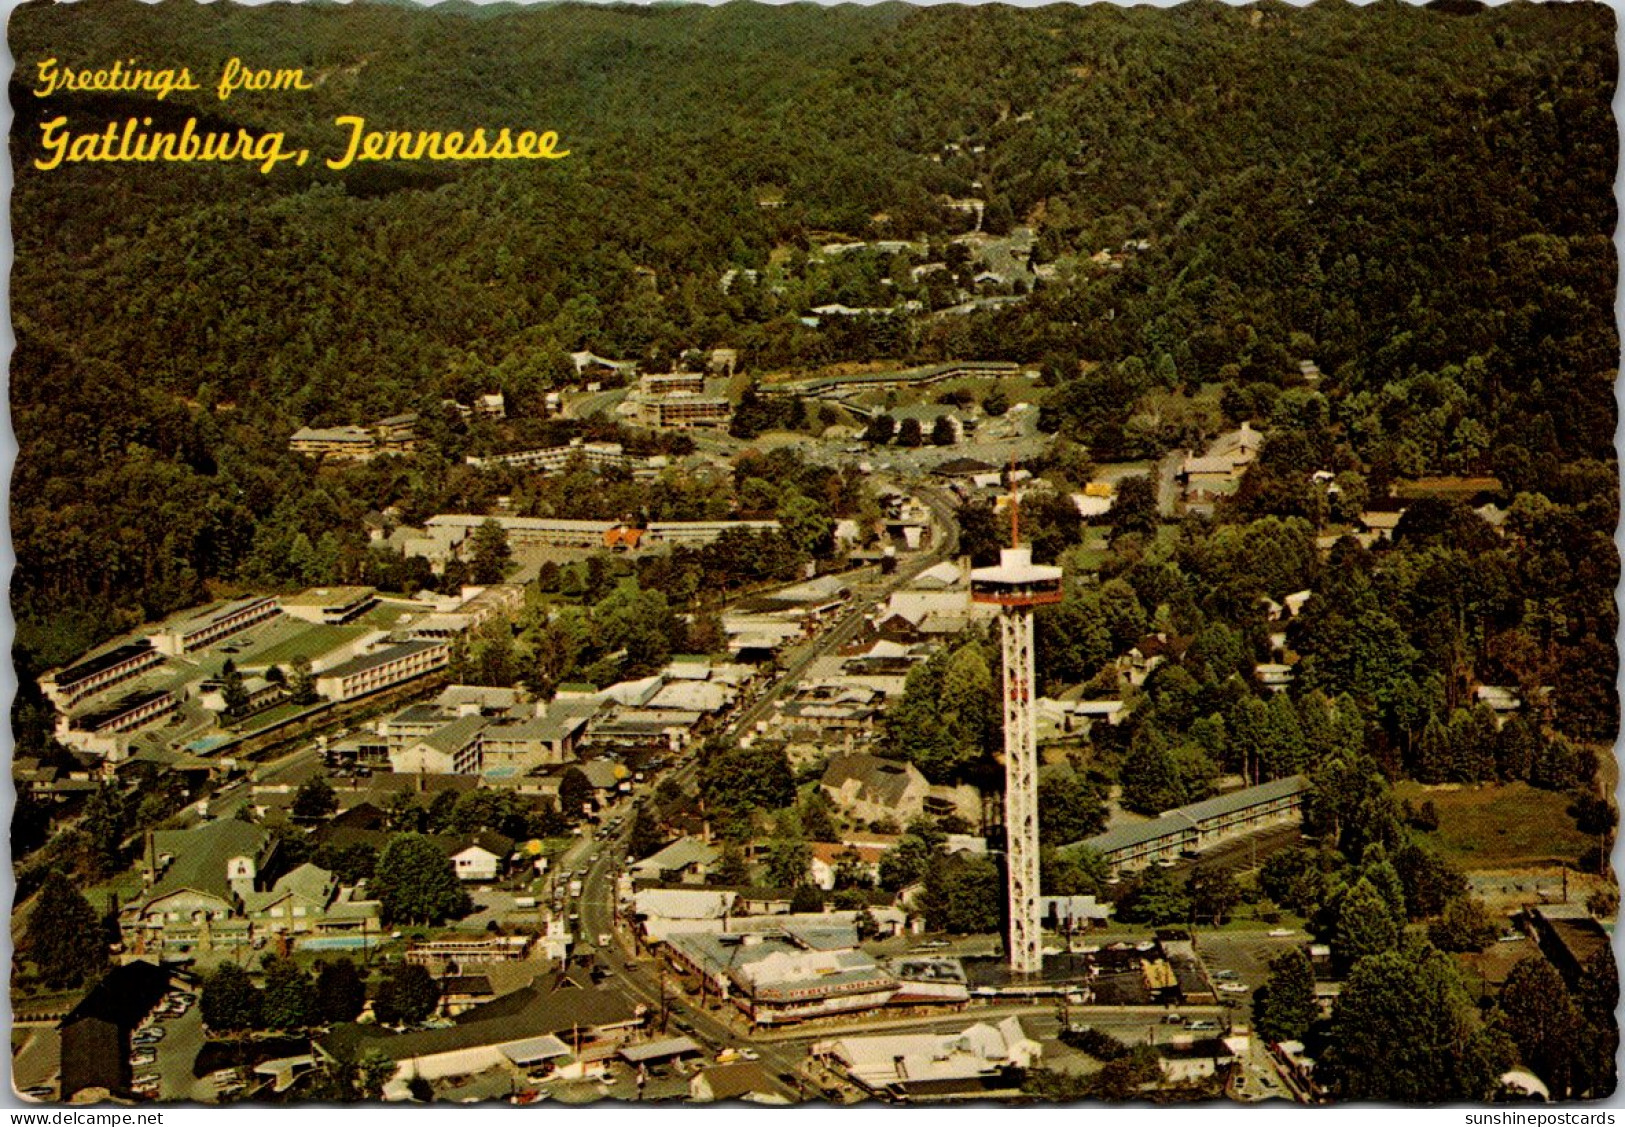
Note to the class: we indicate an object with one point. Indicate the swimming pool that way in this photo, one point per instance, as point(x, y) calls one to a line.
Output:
point(337, 942)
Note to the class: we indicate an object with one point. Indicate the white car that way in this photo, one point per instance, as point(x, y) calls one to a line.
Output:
point(1281, 933)
point(1233, 988)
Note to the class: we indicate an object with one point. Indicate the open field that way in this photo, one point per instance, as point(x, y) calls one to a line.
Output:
point(1502, 826)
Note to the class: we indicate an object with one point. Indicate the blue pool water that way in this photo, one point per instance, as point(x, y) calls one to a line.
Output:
point(337, 942)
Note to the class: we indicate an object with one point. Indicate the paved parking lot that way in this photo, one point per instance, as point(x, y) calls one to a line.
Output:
point(1247, 954)
point(183, 1039)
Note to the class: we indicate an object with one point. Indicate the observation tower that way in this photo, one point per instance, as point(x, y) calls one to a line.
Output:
point(1017, 586)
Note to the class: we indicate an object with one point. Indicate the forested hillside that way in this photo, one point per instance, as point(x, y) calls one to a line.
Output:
point(1417, 199)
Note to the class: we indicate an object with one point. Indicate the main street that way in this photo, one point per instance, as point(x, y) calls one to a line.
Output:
point(641, 977)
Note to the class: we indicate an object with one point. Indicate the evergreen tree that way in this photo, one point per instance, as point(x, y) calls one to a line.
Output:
point(1365, 924)
point(1285, 1007)
point(64, 939)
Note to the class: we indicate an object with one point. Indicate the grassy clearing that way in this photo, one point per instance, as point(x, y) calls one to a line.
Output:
point(1503, 826)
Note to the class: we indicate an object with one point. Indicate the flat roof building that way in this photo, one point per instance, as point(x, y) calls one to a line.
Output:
point(67, 687)
point(214, 625)
point(381, 669)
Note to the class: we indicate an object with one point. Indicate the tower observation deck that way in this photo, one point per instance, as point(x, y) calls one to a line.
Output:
point(1017, 586)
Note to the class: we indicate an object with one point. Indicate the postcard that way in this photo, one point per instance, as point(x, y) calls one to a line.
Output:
point(786, 554)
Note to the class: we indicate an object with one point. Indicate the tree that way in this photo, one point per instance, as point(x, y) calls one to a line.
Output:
point(904, 863)
point(1069, 809)
point(340, 992)
point(374, 1068)
point(406, 996)
point(1285, 1006)
point(995, 403)
point(962, 894)
point(881, 429)
point(1150, 777)
point(817, 819)
point(1135, 509)
point(288, 1000)
point(230, 1002)
point(490, 553)
point(416, 882)
point(644, 838)
point(807, 898)
point(734, 778)
point(64, 938)
point(233, 692)
point(1155, 898)
point(943, 432)
point(1536, 1011)
point(1365, 924)
point(302, 682)
point(788, 859)
point(575, 792)
point(1404, 1029)
point(105, 823)
point(910, 433)
point(314, 801)
point(732, 868)
point(1214, 894)
point(1465, 925)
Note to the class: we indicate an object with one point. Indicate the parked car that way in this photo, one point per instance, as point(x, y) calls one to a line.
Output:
point(1203, 1026)
point(143, 1057)
point(1233, 988)
point(1226, 975)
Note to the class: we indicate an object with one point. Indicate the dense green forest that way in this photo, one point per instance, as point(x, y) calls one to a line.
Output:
point(1418, 199)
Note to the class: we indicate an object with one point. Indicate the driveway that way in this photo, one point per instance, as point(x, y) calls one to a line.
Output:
point(183, 1039)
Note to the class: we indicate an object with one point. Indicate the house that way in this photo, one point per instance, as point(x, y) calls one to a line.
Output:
point(67, 687)
point(96, 1032)
point(871, 789)
point(1379, 525)
point(295, 901)
point(462, 992)
point(482, 856)
point(686, 860)
point(743, 1080)
point(197, 877)
point(196, 631)
point(830, 859)
point(1274, 676)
